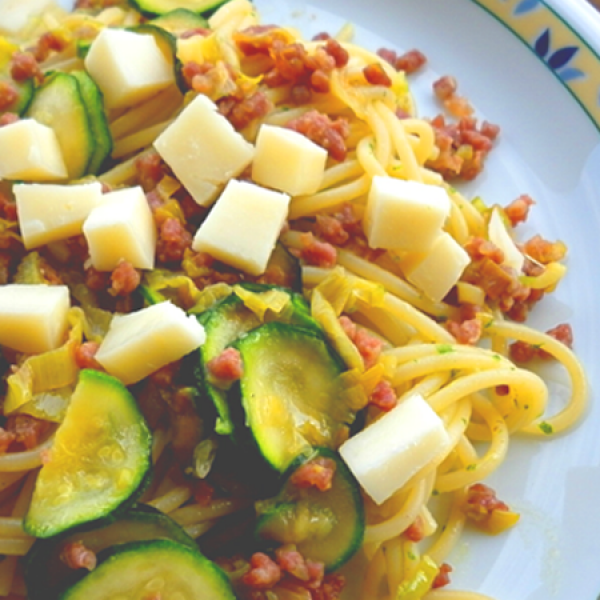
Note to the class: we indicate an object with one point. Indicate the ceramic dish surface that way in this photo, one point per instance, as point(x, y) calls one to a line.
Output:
point(532, 67)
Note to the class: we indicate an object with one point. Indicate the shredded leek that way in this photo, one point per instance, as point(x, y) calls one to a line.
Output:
point(259, 303)
point(325, 314)
point(547, 280)
point(421, 582)
point(47, 371)
point(31, 269)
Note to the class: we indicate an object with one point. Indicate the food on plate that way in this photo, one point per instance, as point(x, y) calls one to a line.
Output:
point(253, 337)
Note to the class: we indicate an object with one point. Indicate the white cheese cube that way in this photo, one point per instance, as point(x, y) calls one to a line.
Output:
point(49, 212)
point(385, 455)
point(243, 226)
point(121, 228)
point(440, 268)
point(141, 342)
point(33, 317)
point(404, 215)
point(288, 161)
point(30, 151)
point(203, 149)
point(128, 67)
point(16, 14)
point(498, 235)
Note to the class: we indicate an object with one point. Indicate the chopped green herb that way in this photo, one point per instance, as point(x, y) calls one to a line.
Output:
point(471, 467)
point(546, 428)
point(445, 349)
point(411, 556)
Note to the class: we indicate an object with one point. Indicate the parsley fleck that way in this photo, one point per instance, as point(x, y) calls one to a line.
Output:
point(489, 324)
point(412, 555)
point(546, 428)
point(445, 349)
point(471, 467)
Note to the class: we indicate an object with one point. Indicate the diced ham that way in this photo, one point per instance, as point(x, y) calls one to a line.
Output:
point(227, 366)
point(318, 253)
point(416, 530)
point(383, 396)
point(481, 501)
point(264, 572)
point(544, 251)
point(317, 473)
point(76, 556)
point(523, 352)
point(323, 131)
point(124, 279)
point(292, 562)
point(150, 170)
point(376, 75)
point(466, 332)
point(9, 94)
point(85, 356)
point(28, 430)
point(24, 66)
point(443, 577)
point(173, 240)
point(518, 210)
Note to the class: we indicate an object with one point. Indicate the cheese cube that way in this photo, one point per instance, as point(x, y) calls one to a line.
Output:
point(404, 215)
point(204, 150)
point(498, 235)
point(440, 269)
point(121, 228)
point(16, 14)
point(49, 212)
point(30, 151)
point(141, 342)
point(243, 226)
point(33, 317)
point(128, 67)
point(385, 455)
point(288, 161)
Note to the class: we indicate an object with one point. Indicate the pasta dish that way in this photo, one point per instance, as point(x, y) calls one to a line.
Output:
point(254, 337)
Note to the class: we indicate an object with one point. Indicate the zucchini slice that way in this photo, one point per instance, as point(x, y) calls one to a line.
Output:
point(290, 394)
point(99, 460)
point(326, 526)
point(46, 575)
point(226, 322)
point(161, 7)
point(179, 21)
point(59, 105)
point(94, 103)
point(156, 569)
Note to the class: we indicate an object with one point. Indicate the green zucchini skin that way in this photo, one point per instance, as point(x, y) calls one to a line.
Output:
point(334, 520)
point(290, 396)
point(152, 8)
point(225, 323)
point(47, 576)
point(100, 460)
point(94, 103)
point(179, 20)
point(59, 104)
point(128, 570)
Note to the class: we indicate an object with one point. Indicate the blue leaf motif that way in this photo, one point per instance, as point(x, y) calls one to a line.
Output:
point(526, 6)
point(570, 73)
point(542, 44)
point(562, 57)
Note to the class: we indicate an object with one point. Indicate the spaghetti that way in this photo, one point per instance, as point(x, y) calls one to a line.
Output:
point(480, 394)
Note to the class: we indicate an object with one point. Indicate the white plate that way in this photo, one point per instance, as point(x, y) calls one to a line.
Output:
point(526, 65)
